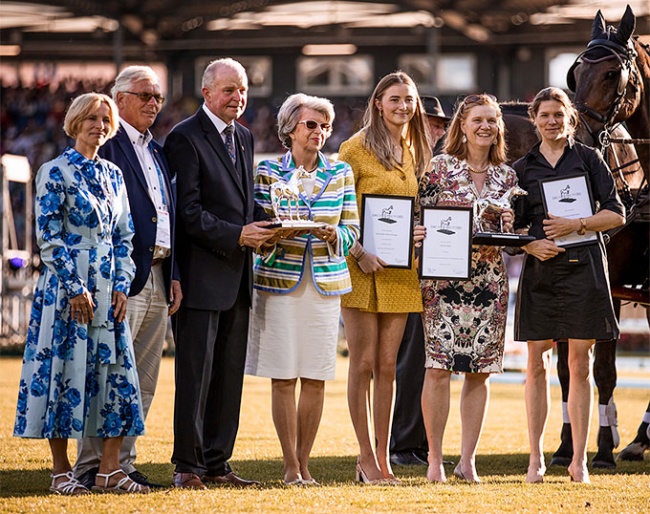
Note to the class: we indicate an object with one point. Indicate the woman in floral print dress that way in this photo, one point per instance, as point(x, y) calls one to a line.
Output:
point(79, 377)
point(465, 320)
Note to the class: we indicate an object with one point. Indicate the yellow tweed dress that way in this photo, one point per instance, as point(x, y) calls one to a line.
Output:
point(392, 290)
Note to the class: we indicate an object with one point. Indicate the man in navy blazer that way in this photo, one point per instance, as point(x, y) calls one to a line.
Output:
point(212, 157)
point(155, 291)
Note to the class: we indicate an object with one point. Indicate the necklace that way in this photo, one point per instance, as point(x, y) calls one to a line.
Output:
point(470, 168)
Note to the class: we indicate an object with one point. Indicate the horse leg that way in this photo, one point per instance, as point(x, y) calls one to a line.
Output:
point(605, 378)
point(641, 443)
point(564, 454)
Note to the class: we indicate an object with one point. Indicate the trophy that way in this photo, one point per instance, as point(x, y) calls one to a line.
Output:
point(485, 207)
point(285, 202)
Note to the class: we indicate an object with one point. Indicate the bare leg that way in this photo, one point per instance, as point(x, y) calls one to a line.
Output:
point(538, 399)
point(564, 453)
point(580, 405)
point(361, 331)
point(473, 406)
point(60, 462)
point(391, 330)
point(435, 411)
point(283, 408)
point(310, 410)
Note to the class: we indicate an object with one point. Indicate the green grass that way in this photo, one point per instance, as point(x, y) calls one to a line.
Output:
point(502, 460)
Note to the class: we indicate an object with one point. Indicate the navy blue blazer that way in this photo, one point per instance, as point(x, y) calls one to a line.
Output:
point(119, 150)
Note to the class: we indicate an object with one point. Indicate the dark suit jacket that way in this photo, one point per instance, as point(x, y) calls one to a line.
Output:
point(119, 150)
point(214, 203)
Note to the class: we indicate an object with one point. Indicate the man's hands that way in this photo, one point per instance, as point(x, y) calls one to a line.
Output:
point(256, 234)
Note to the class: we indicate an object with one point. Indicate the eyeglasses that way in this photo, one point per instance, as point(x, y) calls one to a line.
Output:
point(313, 125)
point(146, 97)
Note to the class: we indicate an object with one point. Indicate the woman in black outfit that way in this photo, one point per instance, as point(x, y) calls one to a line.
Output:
point(563, 292)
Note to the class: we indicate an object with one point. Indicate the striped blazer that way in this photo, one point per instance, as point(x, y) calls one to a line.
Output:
point(280, 268)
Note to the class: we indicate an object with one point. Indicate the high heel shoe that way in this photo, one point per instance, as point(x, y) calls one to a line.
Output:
point(362, 478)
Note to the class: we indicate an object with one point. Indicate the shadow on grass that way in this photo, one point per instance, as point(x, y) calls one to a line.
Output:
point(329, 471)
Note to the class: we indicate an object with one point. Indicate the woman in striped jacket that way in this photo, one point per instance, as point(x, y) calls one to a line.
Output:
point(300, 276)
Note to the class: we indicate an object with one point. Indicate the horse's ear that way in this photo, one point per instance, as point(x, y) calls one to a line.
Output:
point(598, 27)
point(627, 25)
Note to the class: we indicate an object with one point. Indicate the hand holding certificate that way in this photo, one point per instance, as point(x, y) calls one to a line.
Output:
point(569, 197)
point(447, 249)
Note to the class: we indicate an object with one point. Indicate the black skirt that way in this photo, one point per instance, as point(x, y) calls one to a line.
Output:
point(566, 297)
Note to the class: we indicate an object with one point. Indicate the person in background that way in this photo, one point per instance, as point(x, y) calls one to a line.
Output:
point(465, 320)
point(155, 291)
point(408, 442)
point(299, 279)
point(211, 155)
point(79, 377)
point(563, 293)
point(387, 156)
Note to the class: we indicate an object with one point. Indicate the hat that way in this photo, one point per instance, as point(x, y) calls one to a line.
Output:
point(432, 107)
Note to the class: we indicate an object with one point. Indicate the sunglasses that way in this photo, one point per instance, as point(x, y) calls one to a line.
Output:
point(469, 99)
point(146, 97)
point(313, 125)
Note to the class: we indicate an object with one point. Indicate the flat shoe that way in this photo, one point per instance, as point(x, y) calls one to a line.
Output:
point(71, 486)
point(310, 483)
point(298, 481)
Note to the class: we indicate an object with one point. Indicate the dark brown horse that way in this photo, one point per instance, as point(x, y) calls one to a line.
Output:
point(609, 89)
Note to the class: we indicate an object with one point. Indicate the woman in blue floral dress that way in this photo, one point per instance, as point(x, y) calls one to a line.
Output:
point(78, 377)
point(465, 320)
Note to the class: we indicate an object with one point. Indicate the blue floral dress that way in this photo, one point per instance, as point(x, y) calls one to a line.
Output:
point(79, 380)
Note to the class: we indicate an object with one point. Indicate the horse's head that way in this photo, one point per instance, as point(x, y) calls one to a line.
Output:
point(604, 77)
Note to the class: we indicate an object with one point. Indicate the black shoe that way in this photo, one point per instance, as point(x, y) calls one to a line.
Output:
point(407, 459)
point(88, 478)
point(142, 479)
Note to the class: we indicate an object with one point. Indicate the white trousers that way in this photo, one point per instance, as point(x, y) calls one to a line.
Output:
point(146, 314)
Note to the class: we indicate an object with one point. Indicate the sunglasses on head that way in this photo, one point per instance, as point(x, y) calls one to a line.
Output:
point(146, 97)
point(478, 98)
point(313, 125)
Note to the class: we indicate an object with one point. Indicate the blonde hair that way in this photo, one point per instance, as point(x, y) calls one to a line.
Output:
point(454, 145)
point(81, 108)
point(556, 94)
point(377, 138)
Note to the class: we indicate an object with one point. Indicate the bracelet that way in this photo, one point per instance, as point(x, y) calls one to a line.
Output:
point(360, 255)
point(583, 227)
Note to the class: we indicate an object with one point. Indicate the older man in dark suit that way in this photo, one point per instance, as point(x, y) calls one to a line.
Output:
point(212, 156)
point(155, 291)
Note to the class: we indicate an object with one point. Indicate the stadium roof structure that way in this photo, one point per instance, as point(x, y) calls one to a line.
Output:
point(148, 29)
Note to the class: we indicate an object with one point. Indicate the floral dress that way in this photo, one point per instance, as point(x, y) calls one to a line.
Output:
point(79, 380)
point(465, 320)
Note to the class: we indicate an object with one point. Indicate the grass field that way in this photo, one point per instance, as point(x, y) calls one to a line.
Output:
point(502, 460)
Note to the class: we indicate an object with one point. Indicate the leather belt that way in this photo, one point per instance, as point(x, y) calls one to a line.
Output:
point(157, 261)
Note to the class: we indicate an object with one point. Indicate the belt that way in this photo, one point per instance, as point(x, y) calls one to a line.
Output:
point(157, 261)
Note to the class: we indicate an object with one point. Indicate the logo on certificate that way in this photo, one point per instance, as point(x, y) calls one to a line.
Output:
point(445, 226)
point(387, 215)
point(565, 195)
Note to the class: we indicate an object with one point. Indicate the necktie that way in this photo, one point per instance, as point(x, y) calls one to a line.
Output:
point(230, 146)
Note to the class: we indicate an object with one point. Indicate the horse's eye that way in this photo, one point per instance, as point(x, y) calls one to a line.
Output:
point(611, 75)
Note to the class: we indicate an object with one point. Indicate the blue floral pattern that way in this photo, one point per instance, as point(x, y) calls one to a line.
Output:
point(79, 380)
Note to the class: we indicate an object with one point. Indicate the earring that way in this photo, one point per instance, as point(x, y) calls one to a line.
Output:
point(464, 139)
point(381, 113)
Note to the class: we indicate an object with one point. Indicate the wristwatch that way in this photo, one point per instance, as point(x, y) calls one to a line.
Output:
point(583, 227)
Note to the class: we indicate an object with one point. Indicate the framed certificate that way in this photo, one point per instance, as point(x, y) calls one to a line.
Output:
point(447, 249)
point(569, 197)
point(387, 228)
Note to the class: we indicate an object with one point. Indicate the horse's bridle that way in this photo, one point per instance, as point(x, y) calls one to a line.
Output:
point(625, 55)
